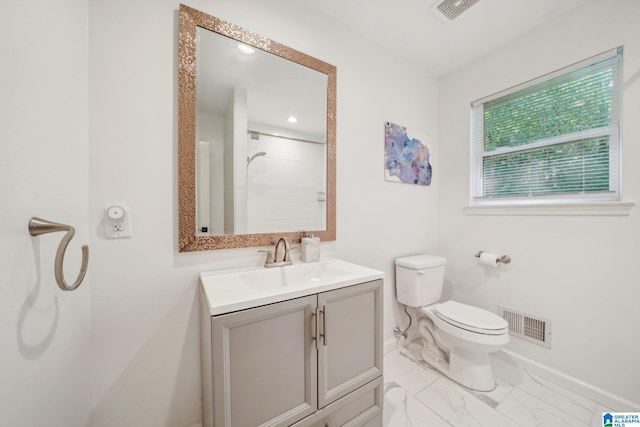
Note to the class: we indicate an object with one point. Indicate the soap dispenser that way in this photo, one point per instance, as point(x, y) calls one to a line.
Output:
point(310, 248)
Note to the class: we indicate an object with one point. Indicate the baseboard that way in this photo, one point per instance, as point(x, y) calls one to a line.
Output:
point(393, 343)
point(587, 390)
point(389, 345)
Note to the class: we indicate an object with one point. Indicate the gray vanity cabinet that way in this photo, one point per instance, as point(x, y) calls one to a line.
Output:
point(265, 367)
point(350, 350)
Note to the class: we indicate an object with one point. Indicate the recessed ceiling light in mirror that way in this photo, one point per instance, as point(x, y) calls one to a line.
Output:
point(292, 119)
point(246, 49)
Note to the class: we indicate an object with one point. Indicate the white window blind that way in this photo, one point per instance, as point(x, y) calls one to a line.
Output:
point(556, 138)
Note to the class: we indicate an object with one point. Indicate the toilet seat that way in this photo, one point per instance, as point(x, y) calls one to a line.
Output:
point(471, 318)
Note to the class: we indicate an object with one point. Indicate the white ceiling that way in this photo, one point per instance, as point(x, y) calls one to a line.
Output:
point(414, 32)
point(407, 27)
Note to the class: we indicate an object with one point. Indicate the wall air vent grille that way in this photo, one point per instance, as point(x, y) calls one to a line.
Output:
point(528, 327)
point(451, 9)
point(514, 320)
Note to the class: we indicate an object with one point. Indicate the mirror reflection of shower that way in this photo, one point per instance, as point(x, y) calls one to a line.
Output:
point(258, 154)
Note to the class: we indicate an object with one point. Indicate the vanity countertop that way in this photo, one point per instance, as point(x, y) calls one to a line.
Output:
point(238, 289)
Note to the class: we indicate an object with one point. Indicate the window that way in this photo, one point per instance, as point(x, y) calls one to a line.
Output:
point(555, 139)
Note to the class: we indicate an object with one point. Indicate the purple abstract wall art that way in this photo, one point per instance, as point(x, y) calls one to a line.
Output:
point(406, 158)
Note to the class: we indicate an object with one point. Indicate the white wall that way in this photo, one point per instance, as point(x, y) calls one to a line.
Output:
point(145, 332)
point(44, 332)
point(582, 273)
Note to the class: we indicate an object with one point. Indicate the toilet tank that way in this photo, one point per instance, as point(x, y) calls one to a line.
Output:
point(419, 279)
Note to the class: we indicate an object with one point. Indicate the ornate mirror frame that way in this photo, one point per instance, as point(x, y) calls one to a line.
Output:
point(188, 240)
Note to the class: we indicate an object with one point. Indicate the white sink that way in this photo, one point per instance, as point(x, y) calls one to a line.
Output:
point(239, 289)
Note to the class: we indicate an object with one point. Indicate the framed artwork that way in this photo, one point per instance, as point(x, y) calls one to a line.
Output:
point(406, 157)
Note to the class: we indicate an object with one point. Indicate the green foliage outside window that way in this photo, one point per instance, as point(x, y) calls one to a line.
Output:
point(550, 170)
point(577, 102)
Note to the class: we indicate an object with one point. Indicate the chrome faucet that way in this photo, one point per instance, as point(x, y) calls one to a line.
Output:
point(280, 255)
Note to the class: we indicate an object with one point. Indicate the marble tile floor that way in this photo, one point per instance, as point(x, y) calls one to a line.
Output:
point(419, 396)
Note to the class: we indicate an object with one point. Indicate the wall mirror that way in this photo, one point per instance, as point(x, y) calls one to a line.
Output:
point(256, 138)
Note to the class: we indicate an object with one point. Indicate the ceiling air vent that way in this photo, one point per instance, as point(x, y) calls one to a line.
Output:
point(451, 9)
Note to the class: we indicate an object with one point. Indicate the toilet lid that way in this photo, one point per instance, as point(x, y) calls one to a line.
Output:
point(418, 262)
point(471, 318)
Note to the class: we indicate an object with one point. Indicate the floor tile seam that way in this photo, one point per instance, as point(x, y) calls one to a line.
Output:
point(497, 408)
point(555, 390)
point(437, 414)
point(597, 413)
point(466, 390)
point(517, 400)
point(492, 408)
point(426, 404)
point(426, 366)
point(422, 364)
point(433, 410)
point(543, 401)
point(511, 388)
point(393, 384)
point(420, 391)
point(533, 378)
point(560, 408)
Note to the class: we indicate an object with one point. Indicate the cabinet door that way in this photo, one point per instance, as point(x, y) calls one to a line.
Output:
point(264, 365)
point(350, 350)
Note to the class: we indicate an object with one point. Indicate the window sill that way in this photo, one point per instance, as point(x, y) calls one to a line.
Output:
point(556, 209)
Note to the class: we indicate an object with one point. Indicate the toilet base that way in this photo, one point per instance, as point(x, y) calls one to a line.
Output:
point(471, 370)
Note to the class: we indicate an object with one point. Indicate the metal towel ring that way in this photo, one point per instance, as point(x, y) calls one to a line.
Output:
point(38, 226)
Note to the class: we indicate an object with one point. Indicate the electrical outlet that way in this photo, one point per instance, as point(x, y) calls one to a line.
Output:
point(117, 222)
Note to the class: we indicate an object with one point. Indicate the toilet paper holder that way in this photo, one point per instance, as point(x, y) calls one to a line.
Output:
point(506, 259)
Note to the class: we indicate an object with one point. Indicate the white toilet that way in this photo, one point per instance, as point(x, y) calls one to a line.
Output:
point(457, 338)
